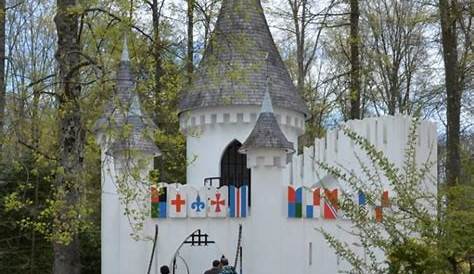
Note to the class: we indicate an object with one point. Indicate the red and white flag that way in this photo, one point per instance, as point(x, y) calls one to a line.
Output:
point(217, 202)
point(330, 203)
point(177, 201)
point(312, 203)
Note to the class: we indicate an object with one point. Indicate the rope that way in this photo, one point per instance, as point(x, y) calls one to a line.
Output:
point(153, 250)
point(238, 246)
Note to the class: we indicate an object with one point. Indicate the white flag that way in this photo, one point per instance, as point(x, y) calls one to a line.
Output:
point(217, 202)
point(177, 201)
point(197, 202)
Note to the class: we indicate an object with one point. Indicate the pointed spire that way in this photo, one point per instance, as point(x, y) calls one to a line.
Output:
point(124, 109)
point(267, 133)
point(135, 108)
point(267, 103)
point(125, 56)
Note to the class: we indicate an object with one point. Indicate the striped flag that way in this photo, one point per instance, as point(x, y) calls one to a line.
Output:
point(384, 203)
point(385, 199)
point(238, 201)
point(299, 202)
point(295, 202)
point(378, 214)
point(158, 201)
point(362, 199)
point(291, 202)
point(330, 204)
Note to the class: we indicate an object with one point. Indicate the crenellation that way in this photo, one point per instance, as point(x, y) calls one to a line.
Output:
point(390, 134)
point(233, 117)
point(253, 117)
point(239, 118)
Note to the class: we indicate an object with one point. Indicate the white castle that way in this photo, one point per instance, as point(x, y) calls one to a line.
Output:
point(248, 196)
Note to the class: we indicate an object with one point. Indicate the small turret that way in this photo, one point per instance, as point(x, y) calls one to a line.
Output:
point(267, 133)
point(126, 159)
point(124, 114)
point(267, 149)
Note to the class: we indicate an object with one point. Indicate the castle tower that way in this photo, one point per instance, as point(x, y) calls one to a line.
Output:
point(127, 152)
point(220, 107)
point(266, 148)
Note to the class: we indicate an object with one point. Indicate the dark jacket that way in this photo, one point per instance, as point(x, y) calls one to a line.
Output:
point(214, 270)
point(228, 270)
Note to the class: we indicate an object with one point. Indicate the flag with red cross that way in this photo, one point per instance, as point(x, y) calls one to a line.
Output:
point(177, 201)
point(217, 202)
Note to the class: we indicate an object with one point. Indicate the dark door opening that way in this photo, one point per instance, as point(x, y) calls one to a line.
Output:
point(234, 169)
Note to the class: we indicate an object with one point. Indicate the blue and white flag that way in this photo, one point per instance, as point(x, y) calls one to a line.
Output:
point(197, 202)
point(238, 201)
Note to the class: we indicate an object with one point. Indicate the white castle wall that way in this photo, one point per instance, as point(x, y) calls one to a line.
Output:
point(120, 253)
point(389, 134)
point(272, 242)
point(209, 131)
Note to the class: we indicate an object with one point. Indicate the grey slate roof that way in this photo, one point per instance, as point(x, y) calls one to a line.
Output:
point(123, 113)
point(237, 61)
point(267, 132)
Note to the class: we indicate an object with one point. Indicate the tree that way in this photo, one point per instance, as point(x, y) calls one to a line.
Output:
point(71, 138)
point(355, 61)
point(449, 19)
point(157, 49)
point(2, 68)
point(206, 14)
point(190, 40)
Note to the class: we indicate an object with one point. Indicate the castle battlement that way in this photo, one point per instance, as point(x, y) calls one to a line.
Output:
point(389, 134)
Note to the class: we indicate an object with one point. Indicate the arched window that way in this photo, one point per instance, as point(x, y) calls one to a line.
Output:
point(234, 169)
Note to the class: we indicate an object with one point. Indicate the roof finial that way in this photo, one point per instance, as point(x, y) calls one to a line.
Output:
point(125, 57)
point(267, 103)
point(267, 100)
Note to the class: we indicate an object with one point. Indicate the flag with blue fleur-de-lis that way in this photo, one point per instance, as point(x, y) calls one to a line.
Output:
point(197, 202)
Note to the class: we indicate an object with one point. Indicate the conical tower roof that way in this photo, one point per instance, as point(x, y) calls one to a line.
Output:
point(123, 111)
point(238, 60)
point(267, 133)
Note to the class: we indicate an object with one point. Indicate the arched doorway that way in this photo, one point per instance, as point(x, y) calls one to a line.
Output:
point(234, 169)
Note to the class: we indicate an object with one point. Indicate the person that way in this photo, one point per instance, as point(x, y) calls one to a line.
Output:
point(164, 269)
point(215, 268)
point(226, 268)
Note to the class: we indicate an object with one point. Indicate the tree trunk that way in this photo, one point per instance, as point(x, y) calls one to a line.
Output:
point(355, 61)
point(448, 16)
point(190, 47)
point(300, 27)
point(157, 50)
point(2, 70)
point(71, 139)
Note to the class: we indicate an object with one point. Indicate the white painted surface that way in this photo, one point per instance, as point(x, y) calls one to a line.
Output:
point(120, 252)
point(209, 131)
point(272, 243)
